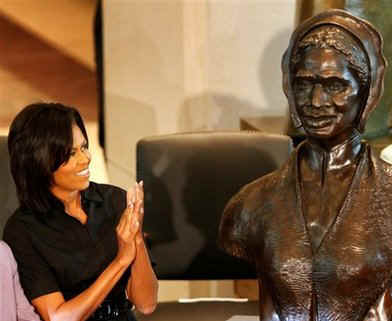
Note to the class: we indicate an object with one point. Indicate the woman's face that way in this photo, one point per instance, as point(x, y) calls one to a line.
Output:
point(73, 175)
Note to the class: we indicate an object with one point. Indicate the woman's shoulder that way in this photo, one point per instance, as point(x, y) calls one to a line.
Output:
point(104, 189)
point(21, 217)
point(4, 249)
point(19, 226)
point(6, 256)
point(112, 196)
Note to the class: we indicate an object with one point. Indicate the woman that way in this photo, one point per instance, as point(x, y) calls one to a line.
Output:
point(13, 303)
point(78, 244)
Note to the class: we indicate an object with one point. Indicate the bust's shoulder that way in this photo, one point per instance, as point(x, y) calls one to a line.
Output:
point(259, 187)
point(265, 187)
point(241, 216)
point(381, 162)
point(255, 195)
point(246, 211)
point(384, 155)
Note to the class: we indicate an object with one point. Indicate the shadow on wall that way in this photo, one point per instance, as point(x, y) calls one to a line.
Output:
point(130, 120)
point(270, 64)
point(217, 111)
point(213, 111)
point(127, 121)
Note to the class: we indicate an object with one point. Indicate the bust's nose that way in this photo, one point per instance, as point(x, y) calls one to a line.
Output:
point(319, 96)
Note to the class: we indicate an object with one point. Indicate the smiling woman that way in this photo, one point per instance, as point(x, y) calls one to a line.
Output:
point(78, 244)
point(73, 176)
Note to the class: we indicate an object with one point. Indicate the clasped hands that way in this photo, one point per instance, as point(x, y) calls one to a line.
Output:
point(129, 229)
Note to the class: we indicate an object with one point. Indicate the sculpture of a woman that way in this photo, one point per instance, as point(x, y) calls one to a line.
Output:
point(319, 229)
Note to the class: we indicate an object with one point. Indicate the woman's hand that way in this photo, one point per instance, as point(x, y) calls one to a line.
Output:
point(129, 227)
point(142, 288)
point(139, 197)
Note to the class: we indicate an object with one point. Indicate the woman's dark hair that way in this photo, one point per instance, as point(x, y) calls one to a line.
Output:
point(39, 141)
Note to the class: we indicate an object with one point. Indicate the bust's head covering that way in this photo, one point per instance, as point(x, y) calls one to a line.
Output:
point(366, 41)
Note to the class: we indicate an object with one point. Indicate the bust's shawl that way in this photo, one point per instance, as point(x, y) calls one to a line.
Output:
point(350, 273)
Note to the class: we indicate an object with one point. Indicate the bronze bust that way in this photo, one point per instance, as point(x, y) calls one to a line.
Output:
point(319, 229)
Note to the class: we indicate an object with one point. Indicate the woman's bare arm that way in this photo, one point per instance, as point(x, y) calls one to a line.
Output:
point(53, 307)
point(142, 286)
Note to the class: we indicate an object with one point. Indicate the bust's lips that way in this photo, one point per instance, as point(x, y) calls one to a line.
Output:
point(318, 121)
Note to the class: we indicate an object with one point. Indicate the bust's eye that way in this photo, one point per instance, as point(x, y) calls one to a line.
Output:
point(302, 84)
point(335, 86)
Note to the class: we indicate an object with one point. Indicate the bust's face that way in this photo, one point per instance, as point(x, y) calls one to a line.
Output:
point(327, 94)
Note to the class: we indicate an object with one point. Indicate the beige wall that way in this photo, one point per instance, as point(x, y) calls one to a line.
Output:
point(179, 65)
point(47, 55)
point(66, 24)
